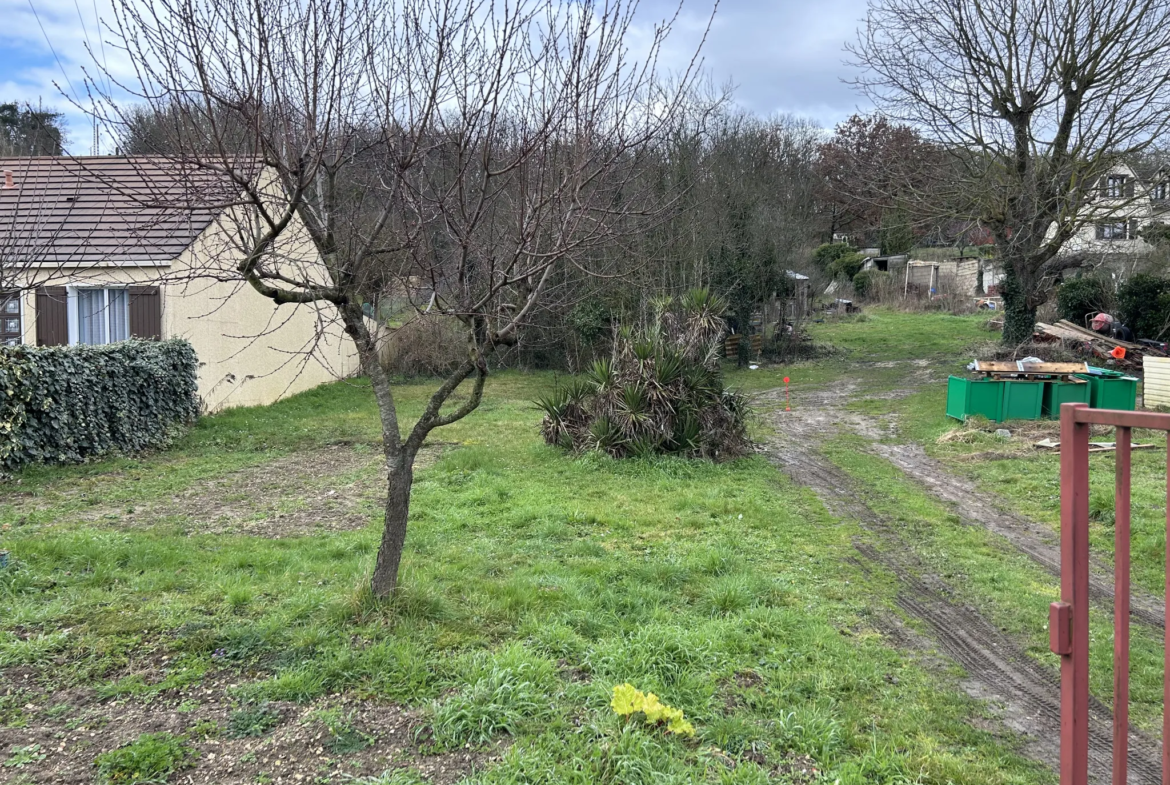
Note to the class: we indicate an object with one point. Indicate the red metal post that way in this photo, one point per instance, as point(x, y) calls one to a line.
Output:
point(1166, 661)
point(1074, 591)
point(1121, 607)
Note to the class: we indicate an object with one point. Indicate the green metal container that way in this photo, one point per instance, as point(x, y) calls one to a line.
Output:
point(1057, 393)
point(1111, 389)
point(966, 397)
point(1023, 400)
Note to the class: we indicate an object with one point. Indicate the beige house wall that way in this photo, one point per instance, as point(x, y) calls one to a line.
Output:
point(250, 351)
point(1140, 208)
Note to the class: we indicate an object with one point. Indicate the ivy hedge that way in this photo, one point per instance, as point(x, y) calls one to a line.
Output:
point(66, 404)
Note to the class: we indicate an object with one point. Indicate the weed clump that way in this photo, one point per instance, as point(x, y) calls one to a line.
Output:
point(253, 721)
point(660, 393)
point(152, 757)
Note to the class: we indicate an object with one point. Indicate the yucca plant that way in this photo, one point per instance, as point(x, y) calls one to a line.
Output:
point(661, 392)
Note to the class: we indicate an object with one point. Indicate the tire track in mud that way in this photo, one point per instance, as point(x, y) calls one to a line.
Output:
point(1028, 694)
point(1035, 540)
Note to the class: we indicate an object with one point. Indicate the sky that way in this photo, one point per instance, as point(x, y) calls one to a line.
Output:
point(781, 56)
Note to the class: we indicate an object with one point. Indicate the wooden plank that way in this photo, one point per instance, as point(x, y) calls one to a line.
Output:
point(1066, 324)
point(1054, 444)
point(1030, 369)
point(1059, 332)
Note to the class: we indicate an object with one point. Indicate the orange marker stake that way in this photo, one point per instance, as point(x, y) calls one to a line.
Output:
point(787, 402)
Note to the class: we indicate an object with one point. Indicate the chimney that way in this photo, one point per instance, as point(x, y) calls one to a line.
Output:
point(9, 182)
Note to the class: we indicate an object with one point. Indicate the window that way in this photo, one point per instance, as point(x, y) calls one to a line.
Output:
point(10, 332)
point(1162, 191)
point(1115, 186)
point(1113, 230)
point(99, 316)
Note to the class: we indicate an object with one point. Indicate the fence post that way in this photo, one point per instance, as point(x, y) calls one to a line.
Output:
point(1073, 608)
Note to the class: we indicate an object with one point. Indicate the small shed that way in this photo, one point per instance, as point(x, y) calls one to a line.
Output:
point(798, 305)
point(793, 305)
point(957, 276)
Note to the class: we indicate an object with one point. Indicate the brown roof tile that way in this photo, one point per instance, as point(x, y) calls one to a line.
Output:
point(105, 209)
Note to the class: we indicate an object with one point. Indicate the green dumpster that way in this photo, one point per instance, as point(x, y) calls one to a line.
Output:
point(1023, 400)
point(966, 397)
point(1111, 389)
point(1057, 393)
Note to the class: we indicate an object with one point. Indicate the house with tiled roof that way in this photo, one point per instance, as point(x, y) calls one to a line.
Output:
point(101, 249)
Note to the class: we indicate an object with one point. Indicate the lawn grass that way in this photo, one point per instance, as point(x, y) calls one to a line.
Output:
point(884, 334)
point(533, 582)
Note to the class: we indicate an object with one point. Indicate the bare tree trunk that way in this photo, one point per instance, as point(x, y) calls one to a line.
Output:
point(399, 480)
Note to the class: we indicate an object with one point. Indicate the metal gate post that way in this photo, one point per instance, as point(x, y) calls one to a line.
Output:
point(1121, 577)
point(1069, 618)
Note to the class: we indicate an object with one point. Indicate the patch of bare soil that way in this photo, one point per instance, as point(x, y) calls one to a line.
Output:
point(336, 488)
point(329, 741)
point(1023, 695)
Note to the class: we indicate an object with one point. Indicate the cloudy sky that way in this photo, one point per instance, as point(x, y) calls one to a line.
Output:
point(781, 55)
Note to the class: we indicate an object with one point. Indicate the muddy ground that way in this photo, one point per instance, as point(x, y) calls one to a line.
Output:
point(1024, 694)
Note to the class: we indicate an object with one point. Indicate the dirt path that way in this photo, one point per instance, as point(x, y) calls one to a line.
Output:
point(1039, 542)
point(1026, 694)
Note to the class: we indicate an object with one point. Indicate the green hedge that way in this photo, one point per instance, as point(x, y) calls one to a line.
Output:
point(69, 404)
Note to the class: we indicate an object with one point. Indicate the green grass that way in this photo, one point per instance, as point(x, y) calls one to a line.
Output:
point(533, 582)
point(883, 334)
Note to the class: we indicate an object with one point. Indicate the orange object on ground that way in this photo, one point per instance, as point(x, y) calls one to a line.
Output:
point(1118, 353)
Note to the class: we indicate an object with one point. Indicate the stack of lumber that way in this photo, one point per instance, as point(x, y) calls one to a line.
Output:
point(1098, 345)
point(997, 369)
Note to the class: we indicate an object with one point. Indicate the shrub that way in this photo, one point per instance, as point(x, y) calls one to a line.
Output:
point(661, 392)
point(152, 757)
point(1082, 296)
point(869, 283)
point(68, 404)
point(847, 266)
point(427, 345)
point(826, 254)
point(1143, 303)
point(590, 321)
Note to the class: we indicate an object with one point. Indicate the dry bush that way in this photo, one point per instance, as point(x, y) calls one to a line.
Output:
point(426, 345)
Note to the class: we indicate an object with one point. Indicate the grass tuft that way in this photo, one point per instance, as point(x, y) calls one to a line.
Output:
point(151, 758)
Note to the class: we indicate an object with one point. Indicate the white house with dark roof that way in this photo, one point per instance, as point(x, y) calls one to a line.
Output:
point(101, 249)
point(1127, 200)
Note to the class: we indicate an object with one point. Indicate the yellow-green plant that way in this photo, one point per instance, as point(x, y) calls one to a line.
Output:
point(628, 701)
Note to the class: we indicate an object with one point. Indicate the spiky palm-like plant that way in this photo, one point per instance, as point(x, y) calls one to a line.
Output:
point(661, 392)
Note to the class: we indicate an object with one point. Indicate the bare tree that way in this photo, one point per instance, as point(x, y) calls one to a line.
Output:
point(871, 170)
point(454, 153)
point(1037, 99)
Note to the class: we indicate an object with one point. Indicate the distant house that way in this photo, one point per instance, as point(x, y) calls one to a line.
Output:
point(101, 249)
point(1127, 200)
